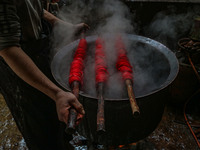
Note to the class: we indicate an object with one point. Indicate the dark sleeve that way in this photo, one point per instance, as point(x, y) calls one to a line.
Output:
point(9, 25)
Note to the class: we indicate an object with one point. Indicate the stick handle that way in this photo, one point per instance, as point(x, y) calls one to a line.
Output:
point(70, 129)
point(71, 126)
point(83, 34)
point(100, 110)
point(133, 103)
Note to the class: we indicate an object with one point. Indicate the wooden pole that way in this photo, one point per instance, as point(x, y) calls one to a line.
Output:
point(100, 110)
point(71, 126)
point(133, 103)
point(75, 86)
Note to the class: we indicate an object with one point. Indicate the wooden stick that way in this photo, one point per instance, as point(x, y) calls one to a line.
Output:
point(72, 112)
point(75, 86)
point(100, 110)
point(134, 106)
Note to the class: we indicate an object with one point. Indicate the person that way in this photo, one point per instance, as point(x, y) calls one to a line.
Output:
point(36, 102)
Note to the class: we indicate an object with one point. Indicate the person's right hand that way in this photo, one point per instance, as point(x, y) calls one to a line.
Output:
point(66, 100)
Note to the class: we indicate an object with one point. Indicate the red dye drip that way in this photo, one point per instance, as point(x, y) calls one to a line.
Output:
point(77, 65)
point(100, 62)
point(123, 64)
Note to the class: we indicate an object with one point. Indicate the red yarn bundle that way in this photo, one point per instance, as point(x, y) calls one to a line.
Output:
point(100, 62)
point(77, 65)
point(123, 64)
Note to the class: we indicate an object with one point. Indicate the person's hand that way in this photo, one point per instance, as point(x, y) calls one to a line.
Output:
point(64, 101)
point(81, 26)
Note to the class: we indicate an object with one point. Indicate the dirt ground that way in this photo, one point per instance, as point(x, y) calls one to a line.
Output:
point(10, 137)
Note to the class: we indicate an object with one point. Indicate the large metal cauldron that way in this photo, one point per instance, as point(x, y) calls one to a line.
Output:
point(155, 67)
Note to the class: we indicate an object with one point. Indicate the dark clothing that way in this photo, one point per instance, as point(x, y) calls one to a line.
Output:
point(10, 31)
point(20, 20)
point(34, 113)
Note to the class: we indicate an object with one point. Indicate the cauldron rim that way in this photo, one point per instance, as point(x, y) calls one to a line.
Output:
point(174, 64)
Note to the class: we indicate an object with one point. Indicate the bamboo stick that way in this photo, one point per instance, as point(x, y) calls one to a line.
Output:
point(75, 86)
point(71, 126)
point(133, 103)
point(100, 110)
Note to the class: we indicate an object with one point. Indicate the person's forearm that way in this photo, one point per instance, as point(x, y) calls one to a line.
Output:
point(53, 19)
point(24, 67)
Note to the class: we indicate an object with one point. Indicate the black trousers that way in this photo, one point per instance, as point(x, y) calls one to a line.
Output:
point(34, 113)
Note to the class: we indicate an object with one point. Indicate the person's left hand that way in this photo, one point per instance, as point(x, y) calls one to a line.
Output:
point(81, 26)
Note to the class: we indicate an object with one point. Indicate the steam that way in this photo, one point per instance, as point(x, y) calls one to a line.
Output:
point(117, 17)
point(112, 19)
point(115, 21)
point(108, 16)
point(63, 34)
point(169, 27)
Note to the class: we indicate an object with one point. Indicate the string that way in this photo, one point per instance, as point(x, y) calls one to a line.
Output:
point(77, 65)
point(100, 62)
point(123, 65)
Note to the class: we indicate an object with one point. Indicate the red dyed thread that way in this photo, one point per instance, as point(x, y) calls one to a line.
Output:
point(123, 65)
point(100, 62)
point(77, 65)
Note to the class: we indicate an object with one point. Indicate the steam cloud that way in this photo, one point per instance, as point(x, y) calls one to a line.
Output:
point(170, 27)
point(112, 17)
